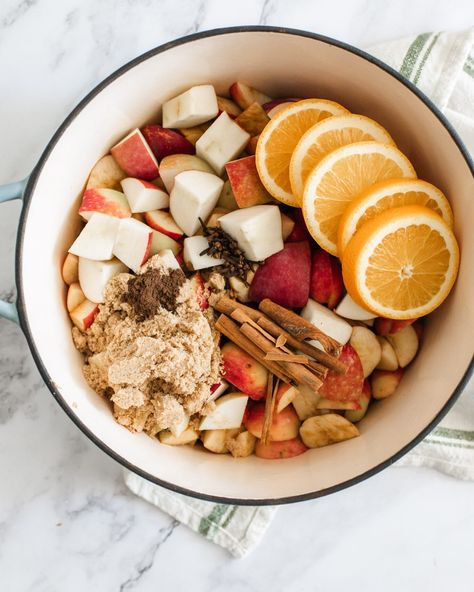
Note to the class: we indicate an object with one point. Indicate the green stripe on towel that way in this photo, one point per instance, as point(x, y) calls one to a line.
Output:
point(213, 519)
point(413, 54)
point(425, 57)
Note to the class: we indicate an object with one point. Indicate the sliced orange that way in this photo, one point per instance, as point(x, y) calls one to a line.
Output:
point(279, 138)
point(340, 177)
point(326, 136)
point(390, 194)
point(401, 264)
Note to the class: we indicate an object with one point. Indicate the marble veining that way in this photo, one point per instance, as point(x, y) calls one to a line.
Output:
point(67, 522)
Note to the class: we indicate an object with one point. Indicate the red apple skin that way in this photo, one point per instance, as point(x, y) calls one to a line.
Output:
point(348, 386)
point(271, 104)
point(326, 284)
point(285, 425)
point(158, 219)
point(300, 232)
point(164, 141)
point(244, 372)
point(95, 200)
point(135, 157)
point(246, 186)
point(383, 326)
point(284, 277)
point(198, 286)
point(147, 249)
point(279, 450)
point(227, 105)
point(83, 316)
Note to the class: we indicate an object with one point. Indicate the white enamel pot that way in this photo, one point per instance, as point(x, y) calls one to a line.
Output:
point(281, 62)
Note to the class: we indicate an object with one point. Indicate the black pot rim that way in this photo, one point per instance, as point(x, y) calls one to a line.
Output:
point(23, 316)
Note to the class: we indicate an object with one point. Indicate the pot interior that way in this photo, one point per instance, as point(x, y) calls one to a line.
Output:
point(281, 64)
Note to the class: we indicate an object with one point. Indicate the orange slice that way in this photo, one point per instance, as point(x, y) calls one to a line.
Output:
point(279, 138)
point(401, 264)
point(326, 136)
point(340, 177)
point(390, 194)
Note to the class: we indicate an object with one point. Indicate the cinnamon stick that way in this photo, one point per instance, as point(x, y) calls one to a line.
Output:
point(281, 356)
point(268, 415)
point(231, 330)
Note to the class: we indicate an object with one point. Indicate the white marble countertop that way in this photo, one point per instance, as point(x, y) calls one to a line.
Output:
point(67, 522)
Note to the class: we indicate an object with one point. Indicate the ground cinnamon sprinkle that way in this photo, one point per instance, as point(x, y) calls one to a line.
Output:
point(147, 292)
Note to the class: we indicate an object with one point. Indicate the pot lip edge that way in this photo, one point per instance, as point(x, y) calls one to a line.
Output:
point(29, 191)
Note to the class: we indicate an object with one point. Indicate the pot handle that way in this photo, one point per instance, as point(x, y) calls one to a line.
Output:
point(9, 192)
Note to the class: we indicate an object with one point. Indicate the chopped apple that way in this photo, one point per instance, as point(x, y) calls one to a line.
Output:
point(169, 259)
point(193, 107)
point(189, 436)
point(164, 142)
point(163, 222)
point(279, 450)
point(70, 271)
point(105, 174)
point(240, 445)
point(285, 425)
point(241, 288)
point(388, 359)
point(306, 402)
point(338, 405)
point(349, 309)
point(227, 198)
point(356, 415)
point(245, 95)
point(133, 243)
point(161, 241)
point(327, 321)
point(256, 229)
point(178, 428)
point(106, 201)
point(385, 383)
point(173, 165)
point(95, 275)
point(405, 343)
point(135, 157)
point(287, 225)
point(327, 429)
point(192, 134)
point(97, 238)
point(193, 197)
point(222, 142)
point(228, 413)
point(215, 216)
point(384, 327)
point(253, 120)
point(144, 196)
point(274, 107)
point(285, 395)
point(348, 386)
point(200, 292)
point(193, 247)
point(251, 147)
point(218, 389)
point(75, 296)
point(326, 285)
point(244, 372)
point(299, 232)
point(367, 347)
point(227, 105)
point(284, 277)
point(215, 441)
point(83, 315)
point(247, 188)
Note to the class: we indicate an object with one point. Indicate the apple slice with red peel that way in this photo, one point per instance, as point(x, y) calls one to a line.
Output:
point(105, 174)
point(173, 165)
point(164, 141)
point(348, 386)
point(306, 402)
point(95, 275)
point(199, 290)
point(405, 343)
point(326, 285)
point(245, 182)
point(97, 238)
point(284, 277)
point(135, 157)
point(143, 196)
point(133, 243)
point(285, 425)
point(161, 241)
point(192, 107)
point(368, 348)
point(287, 225)
point(227, 199)
point(193, 247)
point(83, 315)
point(218, 389)
point(274, 107)
point(244, 95)
point(253, 120)
point(299, 232)
point(222, 142)
point(163, 222)
point(327, 321)
point(227, 105)
point(106, 201)
point(251, 147)
point(244, 372)
point(75, 296)
point(349, 309)
point(285, 395)
point(228, 412)
point(385, 383)
point(70, 271)
point(280, 450)
point(384, 327)
point(193, 197)
point(356, 415)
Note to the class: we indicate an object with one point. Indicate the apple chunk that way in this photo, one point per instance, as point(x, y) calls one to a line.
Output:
point(240, 445)
point(244, 372)
point(357, 414)
point(384, 327)
point(83, 315)
point(287, 226)
point(106, 201)
point(327, 429)
point(95, 275)
point(189, 436)
point(164, 142)
point(227, 105)
point(135, 157)
point(193, 247)
point(388, 359)
point(195, 106)
point(133, 243)
point(348, 386)
point(326, 286)
point(163, 222)
point(367, 347)
point(245, 182)
point(144, 196)
point(349, 309)
point(285, 395)
point(285, 425)
point(105, 174)
point(253, 120)
point(75, 296)
point(284, 277)
point(227, 198)
point(228, 413)
point(193, 197)
point(160, 241)
point(97, 238)
point(385, 383)
point(70, 269)
point(244, 95)
point(172, 165)
point(328, 322)
point(214, 440)
point(405, 343)
point(274, 107)
point(222, 142)
point(306, 402)
point(280, 450)
point(201, 298)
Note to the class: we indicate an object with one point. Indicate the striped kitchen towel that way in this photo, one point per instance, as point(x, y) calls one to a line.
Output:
point(442, 65)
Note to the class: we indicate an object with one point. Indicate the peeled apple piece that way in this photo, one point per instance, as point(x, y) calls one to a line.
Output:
point(228, 413)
